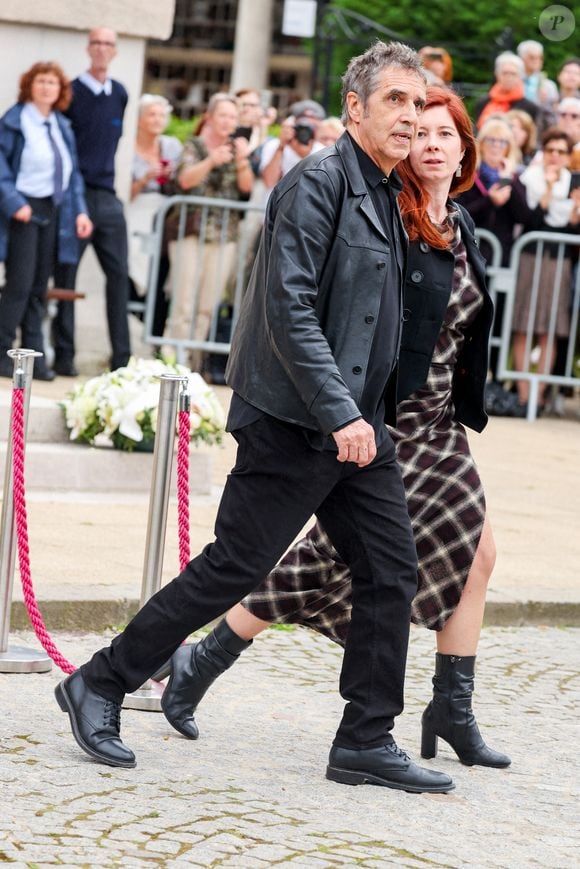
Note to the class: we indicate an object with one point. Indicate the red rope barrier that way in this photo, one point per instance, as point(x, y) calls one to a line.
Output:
point(183, 487)
point(22, 534)
point(22, 519)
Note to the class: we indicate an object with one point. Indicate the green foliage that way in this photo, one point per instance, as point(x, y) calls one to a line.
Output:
point(469, 31)
point(179, 128)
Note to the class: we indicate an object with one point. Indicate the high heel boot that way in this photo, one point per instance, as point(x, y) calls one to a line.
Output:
point(449, 715)
point(193, 668)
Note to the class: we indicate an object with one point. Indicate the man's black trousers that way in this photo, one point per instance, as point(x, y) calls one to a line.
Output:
point(109, 240)
point(278, 482)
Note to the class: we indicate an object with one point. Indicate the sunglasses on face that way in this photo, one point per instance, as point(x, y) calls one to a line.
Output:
point(560, 151)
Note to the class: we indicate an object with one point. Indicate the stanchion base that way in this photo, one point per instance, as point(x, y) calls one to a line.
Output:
point(19, 659)
point(147, 698)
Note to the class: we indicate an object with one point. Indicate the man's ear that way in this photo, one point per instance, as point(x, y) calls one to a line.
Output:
point(354, 106)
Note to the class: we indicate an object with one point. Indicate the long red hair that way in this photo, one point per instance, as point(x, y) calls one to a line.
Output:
point(414, 199)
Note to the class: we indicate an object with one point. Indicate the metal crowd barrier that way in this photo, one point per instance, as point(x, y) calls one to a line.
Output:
point(226, 287)
point(501, 281)
point(506, 371)
point(496, 283)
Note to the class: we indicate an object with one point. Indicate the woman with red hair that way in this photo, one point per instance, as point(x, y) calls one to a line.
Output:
point(42, 205)
point(443, 367)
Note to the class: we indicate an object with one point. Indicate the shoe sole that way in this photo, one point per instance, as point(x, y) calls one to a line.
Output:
point(352, 777)
point(66, 706)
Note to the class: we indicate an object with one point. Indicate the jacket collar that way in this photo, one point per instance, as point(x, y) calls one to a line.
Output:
point(12, 117)
point(357, 183)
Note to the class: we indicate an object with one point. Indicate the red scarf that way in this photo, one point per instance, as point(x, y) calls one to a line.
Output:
point(500, 102)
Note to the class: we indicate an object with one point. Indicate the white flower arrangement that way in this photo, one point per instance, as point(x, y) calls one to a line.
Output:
point(121, 406)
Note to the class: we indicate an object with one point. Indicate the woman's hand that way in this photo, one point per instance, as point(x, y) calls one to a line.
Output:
point(500, 194)
point(221, 155)
point(23, 214)
point(575, 215)
point(241, 149)
point(84, 226)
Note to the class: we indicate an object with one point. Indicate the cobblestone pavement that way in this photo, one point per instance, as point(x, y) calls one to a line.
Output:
point(252, 793)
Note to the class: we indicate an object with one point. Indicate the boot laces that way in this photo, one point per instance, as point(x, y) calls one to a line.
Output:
point(112, 715)
point(398, 752)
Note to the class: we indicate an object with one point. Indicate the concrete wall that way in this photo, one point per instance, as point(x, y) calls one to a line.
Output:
point(145, 18)
point(31, 30)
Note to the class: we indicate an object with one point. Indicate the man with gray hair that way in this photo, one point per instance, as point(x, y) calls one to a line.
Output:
point(313, 369)
point(537, 86)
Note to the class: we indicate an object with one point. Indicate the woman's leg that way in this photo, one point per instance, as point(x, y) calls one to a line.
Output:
point(244, 624)
point(449, 714)
point(291, 590)
point(519, 354)
point(545, 362)
point(20, 270)
point(460, 635)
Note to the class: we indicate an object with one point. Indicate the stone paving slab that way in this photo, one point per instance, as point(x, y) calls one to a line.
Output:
point(252, 793)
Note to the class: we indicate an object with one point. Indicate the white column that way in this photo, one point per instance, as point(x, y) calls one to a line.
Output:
point(252, 45)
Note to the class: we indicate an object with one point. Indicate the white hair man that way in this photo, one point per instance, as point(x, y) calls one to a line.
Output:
point(537, 86)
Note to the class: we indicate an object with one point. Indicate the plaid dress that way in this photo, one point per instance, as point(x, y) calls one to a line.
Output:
point(312, 586)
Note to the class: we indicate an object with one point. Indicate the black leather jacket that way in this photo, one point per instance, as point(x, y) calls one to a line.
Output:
point(427, 291)
point(301, 347)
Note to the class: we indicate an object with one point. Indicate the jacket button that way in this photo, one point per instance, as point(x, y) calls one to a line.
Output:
point(407, 313)
point(369, 318)
point(416, 276)
point(381, 265)
point(423, 247)
point(357, 369)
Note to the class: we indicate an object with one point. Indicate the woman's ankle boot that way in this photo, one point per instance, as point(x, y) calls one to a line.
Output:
point(449, 715)
point(194, 668)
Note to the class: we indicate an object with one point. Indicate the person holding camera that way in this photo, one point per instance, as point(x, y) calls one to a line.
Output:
point(214, 164)
point(296, 141)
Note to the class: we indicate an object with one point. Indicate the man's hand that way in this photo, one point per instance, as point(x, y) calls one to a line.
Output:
point(356, 443)
point(84, 226)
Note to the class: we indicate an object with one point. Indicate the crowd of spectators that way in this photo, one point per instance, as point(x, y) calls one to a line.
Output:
point(58, 194)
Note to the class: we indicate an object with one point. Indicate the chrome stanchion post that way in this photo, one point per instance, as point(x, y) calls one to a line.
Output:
point(149, 695)
point(15, 659)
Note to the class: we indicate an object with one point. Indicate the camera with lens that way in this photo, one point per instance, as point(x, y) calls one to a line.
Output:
point(304, 132)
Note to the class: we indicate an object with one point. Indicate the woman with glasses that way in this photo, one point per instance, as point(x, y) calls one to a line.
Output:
point(443, 366)
point(551, 208)
point(496, 201)
point(42, 206)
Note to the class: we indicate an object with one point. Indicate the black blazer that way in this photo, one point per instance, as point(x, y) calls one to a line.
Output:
point(427, 292)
